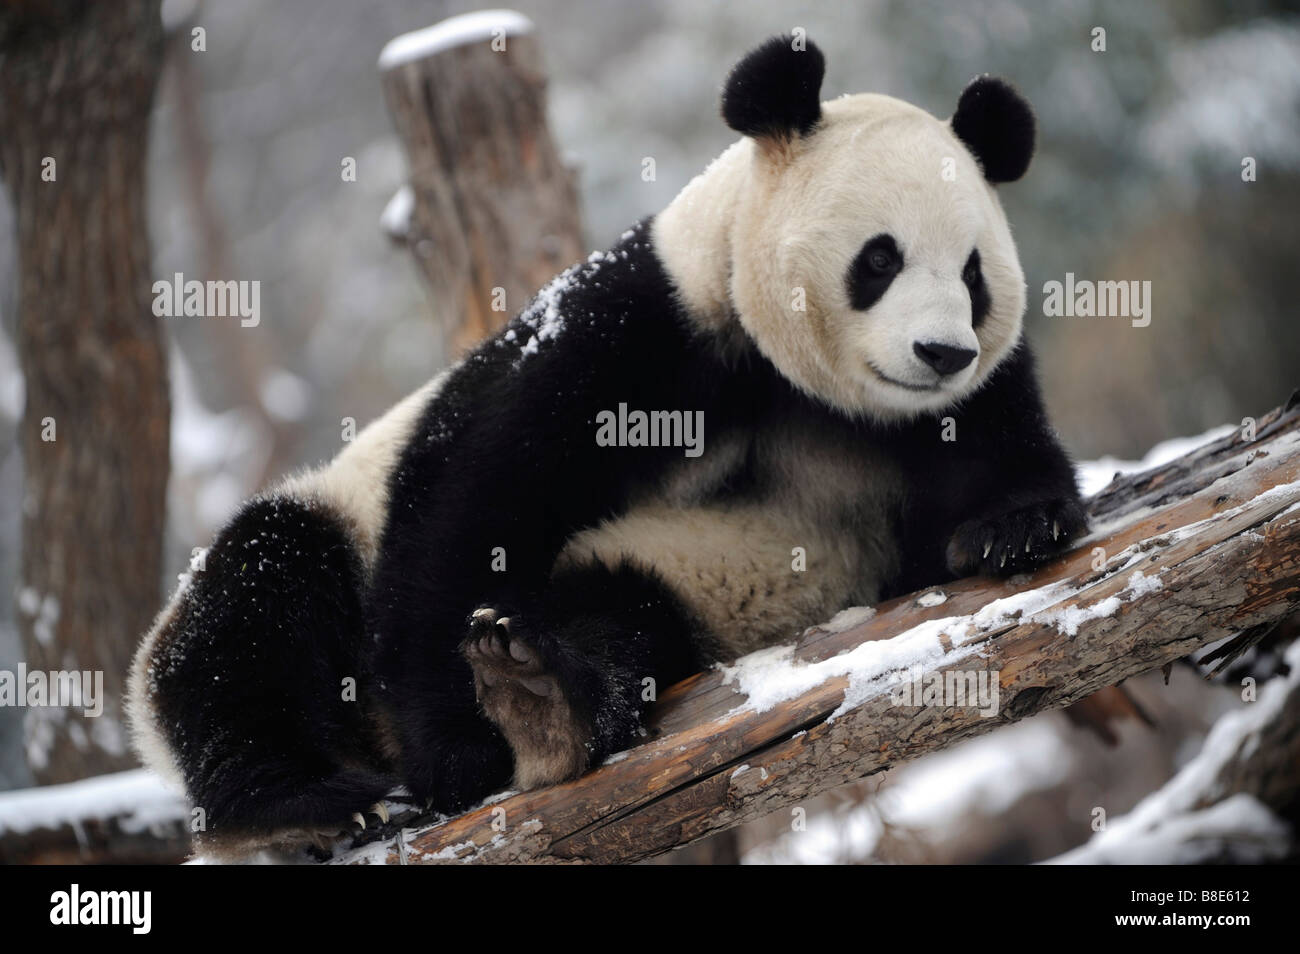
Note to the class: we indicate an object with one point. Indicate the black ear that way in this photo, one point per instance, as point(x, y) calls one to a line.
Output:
point(775, 90)
point(997, 125)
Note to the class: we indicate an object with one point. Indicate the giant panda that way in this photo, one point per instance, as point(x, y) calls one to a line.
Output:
point(473, 593)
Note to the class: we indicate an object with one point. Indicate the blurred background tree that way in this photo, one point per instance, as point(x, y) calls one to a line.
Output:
point(76, 97)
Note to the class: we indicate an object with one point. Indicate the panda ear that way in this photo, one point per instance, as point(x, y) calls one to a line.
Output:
point(775, 90)
point(997, 125)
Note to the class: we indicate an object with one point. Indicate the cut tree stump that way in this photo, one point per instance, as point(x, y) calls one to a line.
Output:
point(491, 211)
point(1180, 556)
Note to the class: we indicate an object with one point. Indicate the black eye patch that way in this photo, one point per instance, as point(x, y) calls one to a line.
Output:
point(973, 277)
point(872, 270)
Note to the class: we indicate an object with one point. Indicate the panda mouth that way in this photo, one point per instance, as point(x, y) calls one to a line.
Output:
point(924, 388)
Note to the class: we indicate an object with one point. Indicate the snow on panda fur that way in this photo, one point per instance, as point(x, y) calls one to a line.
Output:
point(499, 584)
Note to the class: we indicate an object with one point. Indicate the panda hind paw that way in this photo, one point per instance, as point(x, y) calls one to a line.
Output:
point(519, 693)
point(502, 657)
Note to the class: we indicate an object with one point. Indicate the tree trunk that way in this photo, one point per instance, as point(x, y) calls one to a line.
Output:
point(495, 211)
point(76, 88)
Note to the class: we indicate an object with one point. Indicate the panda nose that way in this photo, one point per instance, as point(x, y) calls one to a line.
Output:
point(943, 358)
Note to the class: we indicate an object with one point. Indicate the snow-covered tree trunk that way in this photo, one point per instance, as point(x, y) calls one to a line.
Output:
point(76, 90)
point(491, 212)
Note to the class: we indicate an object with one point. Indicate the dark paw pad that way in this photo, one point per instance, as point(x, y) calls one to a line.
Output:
point(1016, 541)
point(503, 657)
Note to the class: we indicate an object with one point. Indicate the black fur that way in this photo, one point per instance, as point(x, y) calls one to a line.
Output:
point(872, 271)
point(248, 678)
point(997, 125)
point(980, 301)
point(1003, 481)
point(775, 90)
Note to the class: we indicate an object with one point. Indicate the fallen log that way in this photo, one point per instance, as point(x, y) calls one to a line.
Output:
point(123, 818)
point(1180, 556)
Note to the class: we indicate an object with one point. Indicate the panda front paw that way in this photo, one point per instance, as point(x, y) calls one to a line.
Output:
point(1016, 541)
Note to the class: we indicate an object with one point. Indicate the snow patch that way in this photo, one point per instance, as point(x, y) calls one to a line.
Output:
point(986, 775)
point(543, 316)
point(1167, 825)
point(771, 676)
point(477, 27)
point(846, 619)
point(395, 220)
point(1068, 619)
point(1094, 475)
point(139, 799)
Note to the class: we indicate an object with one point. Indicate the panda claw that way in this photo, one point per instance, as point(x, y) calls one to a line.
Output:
point(380, 809)
point(987, 547)
point(486, 614)
point(1004, 560)
point(360, 819)
point(504, 623)
point(1056, 530)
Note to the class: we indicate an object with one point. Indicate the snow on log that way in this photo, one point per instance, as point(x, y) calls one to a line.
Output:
point(491, 213)
point(126, 818)
point(1188, 553)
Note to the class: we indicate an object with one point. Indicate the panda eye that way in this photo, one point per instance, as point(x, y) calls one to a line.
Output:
point(980, 300)
point(880, 261)
point(873, 270)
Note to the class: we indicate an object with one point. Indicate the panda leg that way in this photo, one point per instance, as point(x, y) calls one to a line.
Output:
point(566, 677)
point(256, 683)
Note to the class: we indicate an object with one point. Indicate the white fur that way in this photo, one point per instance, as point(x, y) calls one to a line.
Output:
point(733, 564)
point(770, 217)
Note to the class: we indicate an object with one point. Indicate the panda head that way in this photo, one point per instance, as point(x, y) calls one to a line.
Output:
point(869, 257)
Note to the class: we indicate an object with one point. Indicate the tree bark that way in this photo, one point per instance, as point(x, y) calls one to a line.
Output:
point(494, 206)
point(77, 87)
point(1215, 535)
